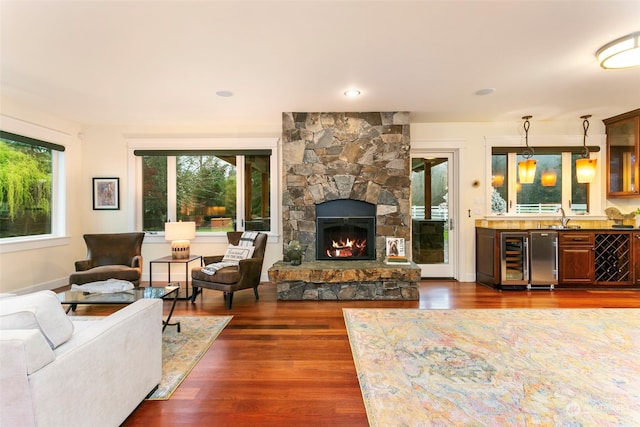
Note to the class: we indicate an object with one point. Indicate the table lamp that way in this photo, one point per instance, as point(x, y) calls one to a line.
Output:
point(179, 233)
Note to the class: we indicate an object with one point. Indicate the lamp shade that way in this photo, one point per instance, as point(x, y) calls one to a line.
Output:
point(527, 171)
point(585, 170)
point(180, 230)
point(549, 179)
point(497, 181)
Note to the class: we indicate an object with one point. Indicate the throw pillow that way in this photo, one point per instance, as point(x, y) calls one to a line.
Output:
point(51, 319)
point(237, 253)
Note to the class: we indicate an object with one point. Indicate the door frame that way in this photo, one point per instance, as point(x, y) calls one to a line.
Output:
point(452, 270)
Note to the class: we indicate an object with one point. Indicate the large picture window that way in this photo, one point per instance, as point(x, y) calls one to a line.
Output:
point(27, 182)
point(220, 190)
point(555, 184)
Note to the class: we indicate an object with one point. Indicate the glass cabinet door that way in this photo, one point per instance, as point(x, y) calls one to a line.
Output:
point(623, 179)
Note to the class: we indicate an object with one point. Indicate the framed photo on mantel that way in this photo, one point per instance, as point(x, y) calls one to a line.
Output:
point(395, 246)
point(106, 194)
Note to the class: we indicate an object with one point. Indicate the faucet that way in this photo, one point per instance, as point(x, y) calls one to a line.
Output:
point(564, 220)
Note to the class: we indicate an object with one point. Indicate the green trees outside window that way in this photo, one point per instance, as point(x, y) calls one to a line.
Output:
point(25, 189)
point(204, 188)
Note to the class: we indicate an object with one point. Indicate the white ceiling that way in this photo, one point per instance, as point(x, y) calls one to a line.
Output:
point(160, 63)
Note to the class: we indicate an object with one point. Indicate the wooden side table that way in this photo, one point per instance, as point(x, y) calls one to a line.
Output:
point(169, 261)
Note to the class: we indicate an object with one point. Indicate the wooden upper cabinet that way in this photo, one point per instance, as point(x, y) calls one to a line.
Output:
point(623, 149)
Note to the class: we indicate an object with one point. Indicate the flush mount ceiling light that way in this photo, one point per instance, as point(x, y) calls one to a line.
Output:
point(527, 167)
point(585, 167)
point(224, 93)
point(621, 53)
point(351, 93)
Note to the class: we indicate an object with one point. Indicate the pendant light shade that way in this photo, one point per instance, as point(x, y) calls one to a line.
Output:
point(527, 171)
point(497, 181)
point(585, 167)
point(527, 167)
point(549, 179)
point(585, 170)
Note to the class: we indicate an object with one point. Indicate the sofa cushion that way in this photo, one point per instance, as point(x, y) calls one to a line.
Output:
point(226, 275)
point(103, 272)
point(49, 315)
point(23, 319)
point(237, 253)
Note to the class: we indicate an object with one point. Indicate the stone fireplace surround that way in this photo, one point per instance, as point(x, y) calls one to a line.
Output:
point(358, 156)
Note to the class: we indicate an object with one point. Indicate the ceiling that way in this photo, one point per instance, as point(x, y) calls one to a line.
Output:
point(160, 63)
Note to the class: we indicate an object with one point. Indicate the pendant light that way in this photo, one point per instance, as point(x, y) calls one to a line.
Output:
point(527, 167)
point(585, 167)
point(548, 178)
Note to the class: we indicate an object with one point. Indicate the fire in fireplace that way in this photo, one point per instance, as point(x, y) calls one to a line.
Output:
point(345, 230)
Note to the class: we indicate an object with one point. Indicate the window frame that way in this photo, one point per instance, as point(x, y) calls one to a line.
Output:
point(58, 235)
point(134, 190)
point(548, 141)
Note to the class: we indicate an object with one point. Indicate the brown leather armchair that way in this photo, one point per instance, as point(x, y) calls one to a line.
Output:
point(110, 256)
point(245, 275)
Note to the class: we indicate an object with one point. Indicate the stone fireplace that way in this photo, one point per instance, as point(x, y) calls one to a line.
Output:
point(345, 159)
point(336, 156)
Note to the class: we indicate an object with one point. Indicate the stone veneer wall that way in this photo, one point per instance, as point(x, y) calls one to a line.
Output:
point(359, 156)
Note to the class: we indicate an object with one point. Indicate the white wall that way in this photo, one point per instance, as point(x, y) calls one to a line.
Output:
point(32, 266)
point(102, 152)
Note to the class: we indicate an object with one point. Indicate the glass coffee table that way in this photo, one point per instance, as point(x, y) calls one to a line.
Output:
point(73, 298)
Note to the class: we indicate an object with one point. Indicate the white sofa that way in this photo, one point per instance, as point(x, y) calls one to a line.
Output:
point(58, 372)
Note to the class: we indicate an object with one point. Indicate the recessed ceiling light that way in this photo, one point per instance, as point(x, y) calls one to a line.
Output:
point(485, 91)
point(351, 93)
point(224, 93)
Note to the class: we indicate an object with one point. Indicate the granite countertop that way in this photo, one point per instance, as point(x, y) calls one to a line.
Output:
point(553, 228)
point(554, 224)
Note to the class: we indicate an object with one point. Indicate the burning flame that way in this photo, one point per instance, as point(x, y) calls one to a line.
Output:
point(346, 248)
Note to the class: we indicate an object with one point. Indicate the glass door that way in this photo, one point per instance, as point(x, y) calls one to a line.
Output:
point(432, 228)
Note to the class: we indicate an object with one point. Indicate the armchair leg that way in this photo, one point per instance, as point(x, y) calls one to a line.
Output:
point(255, 292)
point(195, 294)
point(229, 300)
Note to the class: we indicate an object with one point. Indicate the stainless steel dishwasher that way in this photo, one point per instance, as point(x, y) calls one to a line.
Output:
point(543, 264)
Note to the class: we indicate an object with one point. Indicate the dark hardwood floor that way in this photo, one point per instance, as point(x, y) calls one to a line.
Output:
point(288, 363)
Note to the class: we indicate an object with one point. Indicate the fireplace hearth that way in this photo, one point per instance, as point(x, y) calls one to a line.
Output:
point(345, 230)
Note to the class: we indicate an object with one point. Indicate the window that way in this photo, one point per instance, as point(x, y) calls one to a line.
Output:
point(220, 190)
point(555, 184)
point(27, 183)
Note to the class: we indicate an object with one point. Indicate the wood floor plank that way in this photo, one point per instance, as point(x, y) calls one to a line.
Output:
point(289, 363)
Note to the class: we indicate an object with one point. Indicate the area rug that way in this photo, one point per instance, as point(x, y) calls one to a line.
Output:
point(506, 367)
point(182, 351)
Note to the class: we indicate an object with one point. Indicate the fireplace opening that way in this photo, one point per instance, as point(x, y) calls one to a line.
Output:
point(345, 230)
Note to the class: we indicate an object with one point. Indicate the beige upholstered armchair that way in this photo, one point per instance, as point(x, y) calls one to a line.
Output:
point(228, 279)
point(110, 256)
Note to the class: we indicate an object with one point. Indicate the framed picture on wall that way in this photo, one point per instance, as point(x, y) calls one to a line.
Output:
point(106, 194)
